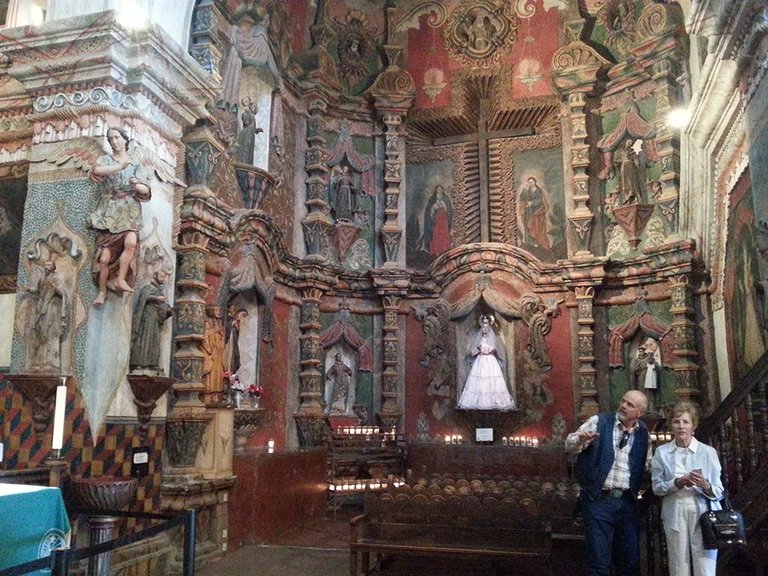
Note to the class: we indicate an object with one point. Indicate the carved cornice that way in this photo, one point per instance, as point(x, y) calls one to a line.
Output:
point(63, 63)
point(203, 213)
point(575, 67)
point(491, 256)
point(391, 281)
point(656, 264)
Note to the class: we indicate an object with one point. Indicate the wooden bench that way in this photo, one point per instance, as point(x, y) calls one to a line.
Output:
point(501, 532)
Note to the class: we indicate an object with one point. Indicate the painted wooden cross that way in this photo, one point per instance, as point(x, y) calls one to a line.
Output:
point(483, 137)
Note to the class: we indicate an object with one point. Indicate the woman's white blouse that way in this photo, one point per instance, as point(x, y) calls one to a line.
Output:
point(670, 462)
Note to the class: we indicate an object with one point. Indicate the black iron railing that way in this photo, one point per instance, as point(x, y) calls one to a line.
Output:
point(60, 559)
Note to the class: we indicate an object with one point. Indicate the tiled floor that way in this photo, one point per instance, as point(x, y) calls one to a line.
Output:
point(321, 549)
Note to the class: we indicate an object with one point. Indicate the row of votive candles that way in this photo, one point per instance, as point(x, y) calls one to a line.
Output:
point(661, 436)
point(519, 441)
point(360, 430)
point(348, 485)
point(366, 430)
point(454, 439)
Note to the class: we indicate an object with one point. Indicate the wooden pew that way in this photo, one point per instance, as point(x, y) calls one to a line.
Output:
point(506, 532)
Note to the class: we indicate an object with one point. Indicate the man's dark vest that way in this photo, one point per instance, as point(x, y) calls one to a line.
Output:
point(595, 461)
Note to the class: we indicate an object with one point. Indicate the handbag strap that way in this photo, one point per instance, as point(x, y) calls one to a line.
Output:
point(724, 499)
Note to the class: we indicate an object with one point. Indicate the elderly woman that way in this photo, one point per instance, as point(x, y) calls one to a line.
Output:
point(686, 473)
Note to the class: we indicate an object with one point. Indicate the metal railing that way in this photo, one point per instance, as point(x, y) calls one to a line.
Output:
point(60, 559)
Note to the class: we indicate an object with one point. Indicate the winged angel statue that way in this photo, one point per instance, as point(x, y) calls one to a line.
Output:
point(124, 175)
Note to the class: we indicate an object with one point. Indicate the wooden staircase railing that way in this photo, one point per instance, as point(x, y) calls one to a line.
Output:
point(738, 430)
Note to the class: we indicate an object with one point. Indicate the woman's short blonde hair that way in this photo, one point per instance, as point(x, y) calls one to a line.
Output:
point(686, 406)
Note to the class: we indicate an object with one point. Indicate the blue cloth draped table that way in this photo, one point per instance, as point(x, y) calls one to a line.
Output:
point(33, 522)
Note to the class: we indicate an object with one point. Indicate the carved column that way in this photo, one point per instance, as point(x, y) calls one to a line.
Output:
point(206, 45)
point(581, 217)
point(389, 416)
point(584, 277)
point(203, 151)
point(683, 331)
point(317, 224)
point(190, 317)
point(310, 418)
point(586, 371)
point(391, 233)
point(667, 143)
point(190, 421)
point(575, 71)
point(392, 93)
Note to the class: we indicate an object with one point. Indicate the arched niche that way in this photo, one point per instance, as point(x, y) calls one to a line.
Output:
point(520, 312)
point(250, 287)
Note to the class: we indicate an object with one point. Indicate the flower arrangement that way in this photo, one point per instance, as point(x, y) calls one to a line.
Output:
point(235, 384)
point(255, 390)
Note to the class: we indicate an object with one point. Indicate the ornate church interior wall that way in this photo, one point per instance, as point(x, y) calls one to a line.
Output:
point(428, 217)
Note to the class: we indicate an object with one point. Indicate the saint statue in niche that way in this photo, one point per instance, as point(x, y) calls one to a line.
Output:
point(629, 170)
point(150, 311)
point(50, 318)
point(339, 375)
point(486, 388)
point(246, 137)
point(343, 194)
point(647, 372)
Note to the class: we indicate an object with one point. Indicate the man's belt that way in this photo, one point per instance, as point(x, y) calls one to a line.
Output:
point(614, 492)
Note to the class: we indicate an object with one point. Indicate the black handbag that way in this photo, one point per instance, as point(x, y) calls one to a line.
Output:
point(722, 528)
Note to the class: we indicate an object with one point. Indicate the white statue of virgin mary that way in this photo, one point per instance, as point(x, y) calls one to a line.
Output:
point(486, 388)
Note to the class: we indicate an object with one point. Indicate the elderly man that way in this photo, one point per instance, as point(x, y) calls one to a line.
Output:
point(614, 451)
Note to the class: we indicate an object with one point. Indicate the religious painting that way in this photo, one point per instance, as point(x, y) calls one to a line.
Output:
point(430, 212)
point(540, 209)
point(13, 192)
point(744, 328)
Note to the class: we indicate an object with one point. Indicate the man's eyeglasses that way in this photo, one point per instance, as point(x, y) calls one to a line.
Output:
point(624, 439)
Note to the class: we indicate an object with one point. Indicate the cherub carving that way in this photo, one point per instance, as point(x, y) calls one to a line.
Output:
point(124, 175)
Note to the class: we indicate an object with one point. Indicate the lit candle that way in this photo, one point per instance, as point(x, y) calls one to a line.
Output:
point(535, 441)
point(59, 415)
point(447, 439)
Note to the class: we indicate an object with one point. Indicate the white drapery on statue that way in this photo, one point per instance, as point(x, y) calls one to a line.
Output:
point(486, 387)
